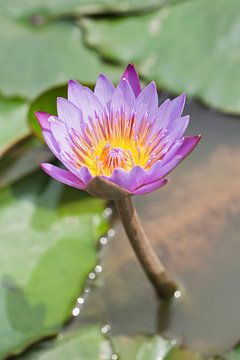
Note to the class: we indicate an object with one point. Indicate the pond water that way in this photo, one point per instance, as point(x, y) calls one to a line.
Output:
point(194, 226)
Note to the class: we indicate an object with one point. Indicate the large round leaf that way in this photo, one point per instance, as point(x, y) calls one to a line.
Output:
point(48, 246)
point(37, 57)
point(13, 122)
point(192, 46)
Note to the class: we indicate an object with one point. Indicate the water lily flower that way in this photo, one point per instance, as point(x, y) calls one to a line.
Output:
point(116, 142)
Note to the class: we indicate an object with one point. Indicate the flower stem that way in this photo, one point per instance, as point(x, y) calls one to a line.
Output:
point(152, 266)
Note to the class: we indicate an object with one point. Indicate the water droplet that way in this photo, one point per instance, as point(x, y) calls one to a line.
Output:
point(103, 240)
point(105, 329)
point(173, 342)
point(76, 311)
point(107, 212)
point(80, 300)
point(87, 290)
point(111, 232)
point(114, 357)
point(92, 276)
point(98, 269)
point(177, 294)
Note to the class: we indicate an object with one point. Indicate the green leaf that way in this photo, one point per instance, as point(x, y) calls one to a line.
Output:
point(87, 344)
point(22, 159)
point(48, 243)
point(150, 348)
point(13, 122)
point(38, 57)
point(46, 8)
point(192, 46)
point(141, 347)
point(232, 355)
point(183, 354)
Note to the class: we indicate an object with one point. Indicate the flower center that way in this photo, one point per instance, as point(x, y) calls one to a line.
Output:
point(116, 142)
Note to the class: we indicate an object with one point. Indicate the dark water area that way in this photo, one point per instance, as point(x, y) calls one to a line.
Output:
point(194, 226)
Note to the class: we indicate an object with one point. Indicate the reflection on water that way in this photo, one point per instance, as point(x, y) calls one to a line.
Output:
point(194, 225)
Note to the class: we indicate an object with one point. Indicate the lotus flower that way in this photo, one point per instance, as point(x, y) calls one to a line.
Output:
point(116, 142)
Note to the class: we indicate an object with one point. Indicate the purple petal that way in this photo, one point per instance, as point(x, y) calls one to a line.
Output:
point(145, 189)
point(159, 170)
point(62, 175)
point(123, 98)
point(128, 180)
point(85, 175)
point(42, 118)
point(104, 89)
point(172, 152)
point(59, 131)
point(177, 106)
point(84, 99)
point(147, 101)
point(69, 114)
point(189, 143)
point(161, 117)
point(176, 130)
point(51, 143)
point(131, 75)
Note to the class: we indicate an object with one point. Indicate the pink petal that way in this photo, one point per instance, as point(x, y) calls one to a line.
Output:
point(62, 175)
point(131, 75)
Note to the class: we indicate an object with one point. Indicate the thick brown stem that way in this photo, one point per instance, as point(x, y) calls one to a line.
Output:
point(152, 266)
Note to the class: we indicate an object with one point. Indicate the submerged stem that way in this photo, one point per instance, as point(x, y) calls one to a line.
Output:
point(152, 266)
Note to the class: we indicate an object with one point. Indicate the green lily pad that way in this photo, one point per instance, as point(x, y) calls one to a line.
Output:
point(48, 244)
point(192, 46)
point(13, 122)
point(22, 159)
point(45, 8)
point(85, 344)
point(38, 57)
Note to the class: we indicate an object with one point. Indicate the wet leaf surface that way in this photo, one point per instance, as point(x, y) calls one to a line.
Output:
point(48, 246)
point(22, 159)
point(179, 50)
point(13, 122)
point(38, 57)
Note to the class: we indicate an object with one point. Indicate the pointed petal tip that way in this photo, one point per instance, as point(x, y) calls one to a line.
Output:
point(131, 75)
point(42, 118)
